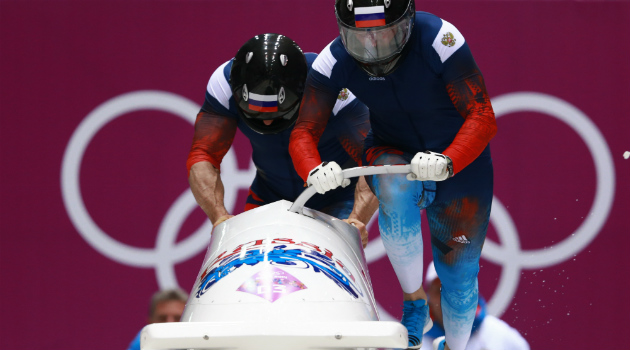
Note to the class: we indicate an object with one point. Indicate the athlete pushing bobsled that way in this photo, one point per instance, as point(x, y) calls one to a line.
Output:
point(259, 91)
point(429, 108)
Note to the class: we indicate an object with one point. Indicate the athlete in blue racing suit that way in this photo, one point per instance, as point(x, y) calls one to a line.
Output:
point(428, 108)
point(259, 91)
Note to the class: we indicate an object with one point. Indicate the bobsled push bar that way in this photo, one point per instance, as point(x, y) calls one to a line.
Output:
point(298, 205)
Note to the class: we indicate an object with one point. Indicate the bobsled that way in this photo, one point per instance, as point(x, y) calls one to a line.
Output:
point(282, 276)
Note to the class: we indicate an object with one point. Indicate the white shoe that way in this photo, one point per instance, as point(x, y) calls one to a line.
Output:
point(439, 343)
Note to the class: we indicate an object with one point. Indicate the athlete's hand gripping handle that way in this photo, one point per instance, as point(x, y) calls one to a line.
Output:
point(327, 176)
point(430, 166)
point(298, 205)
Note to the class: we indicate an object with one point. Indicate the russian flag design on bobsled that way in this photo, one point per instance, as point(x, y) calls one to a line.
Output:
point(283, 256)
point(263, 103)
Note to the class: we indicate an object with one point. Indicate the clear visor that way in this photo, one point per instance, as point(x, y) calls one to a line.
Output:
point(375, 44)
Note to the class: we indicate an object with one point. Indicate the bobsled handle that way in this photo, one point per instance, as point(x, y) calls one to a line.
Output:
point(298, 205)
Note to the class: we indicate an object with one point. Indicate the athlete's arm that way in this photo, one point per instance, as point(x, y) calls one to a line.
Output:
point(213, 137)
point(467, 90)
point(353, 123)
point(317, 105)
point(365, 204)
point(471, 99)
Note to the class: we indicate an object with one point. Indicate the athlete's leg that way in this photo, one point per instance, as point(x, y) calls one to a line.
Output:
point(253, 201)
point(399, 220)
point(458, 219)
point(400, 201)
point(259, 195)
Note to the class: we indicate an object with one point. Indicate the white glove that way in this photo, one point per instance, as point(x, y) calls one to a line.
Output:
point(430, 166)
point(326, 176)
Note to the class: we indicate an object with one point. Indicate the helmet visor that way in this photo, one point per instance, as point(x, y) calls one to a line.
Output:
point(376, 44)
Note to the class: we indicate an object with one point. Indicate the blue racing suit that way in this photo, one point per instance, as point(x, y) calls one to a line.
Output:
point(436, 101)
point(276, 178)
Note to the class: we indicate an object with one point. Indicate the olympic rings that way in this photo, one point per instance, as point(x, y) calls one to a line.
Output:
point(511, 257)
point(167, 253)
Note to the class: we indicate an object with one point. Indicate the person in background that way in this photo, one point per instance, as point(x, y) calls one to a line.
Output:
point(166, 306)
point(488, 332)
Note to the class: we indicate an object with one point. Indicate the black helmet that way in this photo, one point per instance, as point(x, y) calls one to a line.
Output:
point(267, 78)
point(374, 32)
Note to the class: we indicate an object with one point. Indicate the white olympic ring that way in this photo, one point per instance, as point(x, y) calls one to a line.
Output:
point(509, 254)
point(165, 256)
point(512, 257)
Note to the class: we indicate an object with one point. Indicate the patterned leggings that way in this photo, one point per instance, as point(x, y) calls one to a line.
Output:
point(458, 211)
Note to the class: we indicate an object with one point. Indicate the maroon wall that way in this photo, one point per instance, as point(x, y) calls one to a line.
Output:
point(74, 105)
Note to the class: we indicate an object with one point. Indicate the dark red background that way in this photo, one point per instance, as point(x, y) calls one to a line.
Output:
point(59, 60)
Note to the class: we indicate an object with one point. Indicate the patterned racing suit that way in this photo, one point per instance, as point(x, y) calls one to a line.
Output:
point(276, 177)
point(435, 100)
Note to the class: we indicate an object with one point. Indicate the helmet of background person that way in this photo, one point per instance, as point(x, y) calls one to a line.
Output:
point(267, 79)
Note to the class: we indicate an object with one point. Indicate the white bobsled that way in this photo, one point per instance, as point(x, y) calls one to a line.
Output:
point(278, 277)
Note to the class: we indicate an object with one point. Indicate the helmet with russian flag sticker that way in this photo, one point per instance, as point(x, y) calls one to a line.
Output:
point(267, 80)
point(375, 32)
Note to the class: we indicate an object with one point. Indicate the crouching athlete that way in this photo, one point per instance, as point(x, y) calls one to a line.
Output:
point(259, 92)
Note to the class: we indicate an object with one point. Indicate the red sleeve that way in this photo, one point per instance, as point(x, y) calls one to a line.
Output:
point(355, 125)
point(471, 99)
point(212, 140)
point(317, 105)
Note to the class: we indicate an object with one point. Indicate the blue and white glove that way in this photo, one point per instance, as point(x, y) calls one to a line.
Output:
point(430, 166)
point(326, 176)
